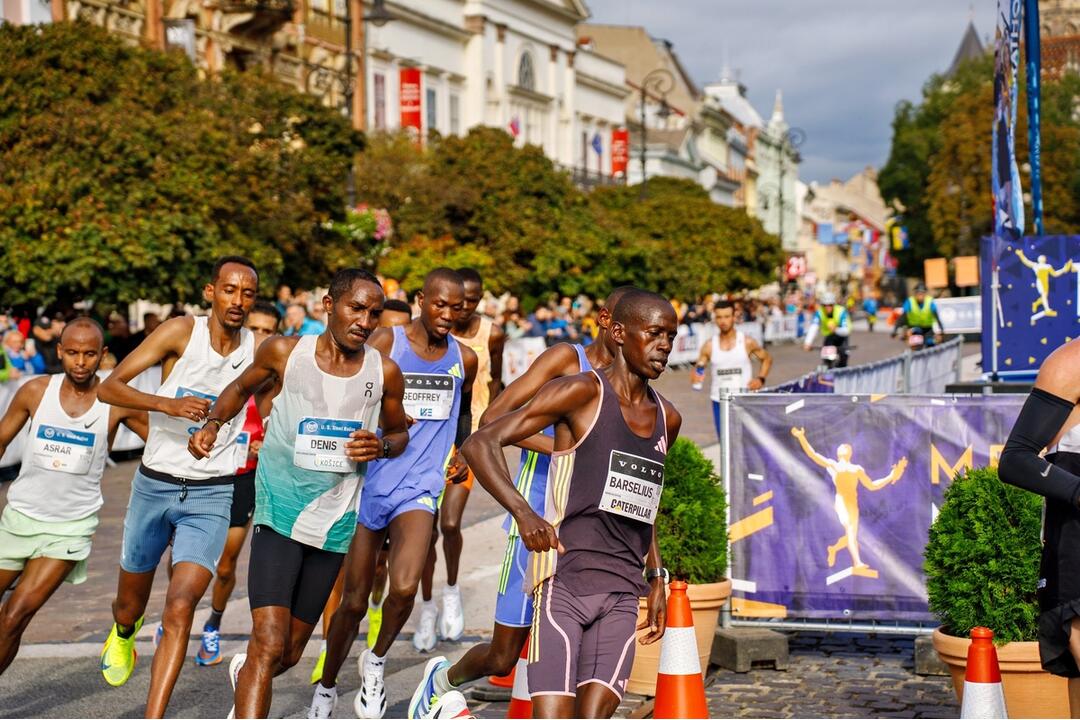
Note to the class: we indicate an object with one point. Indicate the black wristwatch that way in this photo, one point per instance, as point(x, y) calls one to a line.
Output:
point(385, 448)
point(653, 573)
point(762, 379)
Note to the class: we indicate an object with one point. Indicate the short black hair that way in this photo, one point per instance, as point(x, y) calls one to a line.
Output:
point(633, 304)
point(237, 259)
point(83, 321)
point(724, 305)
point(344, 279)
point(262, 307)
point(616, 295)
point(468, 274)
point(395, 305)
point(443, 273)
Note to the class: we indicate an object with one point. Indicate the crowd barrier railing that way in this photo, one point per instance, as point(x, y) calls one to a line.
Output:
point(810, 550)
point(925, 372)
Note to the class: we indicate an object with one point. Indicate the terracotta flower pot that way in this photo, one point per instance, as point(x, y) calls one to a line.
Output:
point(705, 602)
point(1030, 691)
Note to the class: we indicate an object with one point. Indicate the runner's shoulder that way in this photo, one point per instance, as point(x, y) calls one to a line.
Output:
point(382, 340)
point(1058, 374)
point(556, 361)
point(32, 391)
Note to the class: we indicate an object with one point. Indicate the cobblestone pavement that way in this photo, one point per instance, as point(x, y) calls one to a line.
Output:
point(841, 675)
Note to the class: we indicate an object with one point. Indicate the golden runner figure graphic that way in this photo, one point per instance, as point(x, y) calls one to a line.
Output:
point(1043, 272)
point(847, 477)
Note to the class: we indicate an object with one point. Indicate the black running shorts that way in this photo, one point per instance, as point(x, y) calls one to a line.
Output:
point(285, 573)
point(243, 500)
point(1059, 578)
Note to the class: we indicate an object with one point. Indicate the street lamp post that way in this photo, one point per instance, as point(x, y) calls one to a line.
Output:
point(378, 17)
point(793, 138)
point(663, 82)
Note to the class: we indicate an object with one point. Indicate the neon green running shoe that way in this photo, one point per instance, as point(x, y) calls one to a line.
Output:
point(316, 673)
point(374, 619)
point(118, 656)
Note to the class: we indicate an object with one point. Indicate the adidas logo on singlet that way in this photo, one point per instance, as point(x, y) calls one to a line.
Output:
point(661, 445)
point(455, 371)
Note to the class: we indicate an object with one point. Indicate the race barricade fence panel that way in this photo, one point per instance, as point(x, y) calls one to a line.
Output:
point(831, 498)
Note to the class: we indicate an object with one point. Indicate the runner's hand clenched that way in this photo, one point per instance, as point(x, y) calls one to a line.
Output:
point(363, 446)
point(188, 408)
point(202, 441)
point(537, 534)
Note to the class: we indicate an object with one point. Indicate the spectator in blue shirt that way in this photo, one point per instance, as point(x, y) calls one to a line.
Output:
point(297, 322)
point(26, 360)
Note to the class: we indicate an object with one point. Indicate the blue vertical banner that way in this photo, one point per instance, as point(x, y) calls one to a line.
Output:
point(1033, 71)
point(1005, 175)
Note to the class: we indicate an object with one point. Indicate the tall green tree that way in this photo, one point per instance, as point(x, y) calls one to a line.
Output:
point(123, 175)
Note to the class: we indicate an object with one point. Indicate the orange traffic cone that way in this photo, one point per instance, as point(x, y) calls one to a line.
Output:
point(503, 681)
point(520, 700)
point(680, 687)
point(983, 696)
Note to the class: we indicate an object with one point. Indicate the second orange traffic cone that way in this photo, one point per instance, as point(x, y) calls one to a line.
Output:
point(680, 686)
point(983, 695)
point(520, 700)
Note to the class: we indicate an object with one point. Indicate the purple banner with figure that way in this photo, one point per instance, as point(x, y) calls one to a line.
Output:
point(832, 497)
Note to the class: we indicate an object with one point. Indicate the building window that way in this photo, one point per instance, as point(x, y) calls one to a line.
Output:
point(379, 89)
point(432, 110)
point(526, 77)
point(455, 114)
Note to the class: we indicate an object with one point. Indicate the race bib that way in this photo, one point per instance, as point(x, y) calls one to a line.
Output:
point(63, 449)
point(428, 396)
point(184, 426)
point(320, 444)
point(633, 487)
point(729, 379)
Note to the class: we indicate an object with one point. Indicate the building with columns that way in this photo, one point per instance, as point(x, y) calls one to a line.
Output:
point(437, 66)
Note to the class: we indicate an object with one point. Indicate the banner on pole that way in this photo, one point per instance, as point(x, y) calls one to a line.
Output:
point(410, 99)
point(620, 151)
point(832, 497)
point(1004, 173)
point(1032, 51)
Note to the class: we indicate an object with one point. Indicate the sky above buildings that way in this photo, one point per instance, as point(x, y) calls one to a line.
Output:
point(842, 64)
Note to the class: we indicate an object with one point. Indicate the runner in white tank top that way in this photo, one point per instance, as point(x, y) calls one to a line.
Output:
point(51, 513)
point(331, 394)
point(176, 499)
point(728, 357)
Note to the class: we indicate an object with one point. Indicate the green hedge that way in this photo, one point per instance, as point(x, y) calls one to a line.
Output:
point(691, 527)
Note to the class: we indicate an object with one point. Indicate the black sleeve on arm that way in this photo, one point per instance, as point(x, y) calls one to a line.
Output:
point(1040, 419)
point(464, 421)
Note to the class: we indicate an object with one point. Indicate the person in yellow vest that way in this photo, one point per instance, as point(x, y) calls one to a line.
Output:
point(919, 315)
point(834, 323)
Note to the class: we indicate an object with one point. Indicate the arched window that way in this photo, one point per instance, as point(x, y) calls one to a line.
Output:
point(526, 77)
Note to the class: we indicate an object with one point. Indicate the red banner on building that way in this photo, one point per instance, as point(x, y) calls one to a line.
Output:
point(795, 267)
point(620, 151)
point(410, 98)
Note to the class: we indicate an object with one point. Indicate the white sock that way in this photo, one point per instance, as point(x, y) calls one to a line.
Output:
point(428, 604)
point(322, 689)
point(372, 605)
point(377, 663)
point(322, 647)
point(450, 589)
point(442, 680)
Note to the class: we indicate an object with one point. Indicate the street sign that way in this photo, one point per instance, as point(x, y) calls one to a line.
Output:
point(960, 314)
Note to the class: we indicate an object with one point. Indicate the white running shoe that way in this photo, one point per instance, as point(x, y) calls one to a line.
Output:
point(235, 665)
point(424, 639)
point(322, 703)
point(450, 705)
point(452, 618)
point(370, 701)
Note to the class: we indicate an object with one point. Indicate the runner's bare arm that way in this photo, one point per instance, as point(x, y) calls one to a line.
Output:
point(656, 617)
point(1048, 413)
point(572, 400)
point(392, 419)
point(496, 344)
point(168, 341)
point(137, 421)
point(268, 367)
point(23, 405)
point(549, 365)
point(762, 355)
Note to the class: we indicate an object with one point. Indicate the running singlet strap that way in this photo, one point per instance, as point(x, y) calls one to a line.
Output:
point(62, 461)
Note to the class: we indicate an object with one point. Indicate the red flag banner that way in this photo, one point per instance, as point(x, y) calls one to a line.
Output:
point(410, 98)
point(620, 151)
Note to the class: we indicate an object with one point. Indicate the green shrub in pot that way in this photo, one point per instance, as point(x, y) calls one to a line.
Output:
point(691, 525)
point(982, 558)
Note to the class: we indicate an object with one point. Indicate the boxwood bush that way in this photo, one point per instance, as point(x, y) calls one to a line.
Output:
point(691, 526)
point(982, 559)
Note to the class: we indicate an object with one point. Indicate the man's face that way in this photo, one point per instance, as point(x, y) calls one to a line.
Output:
point(261, 326)
point(474, 293)
point(355, 315)
point(232, 294)
point(394, 318)
point(14, 341)
point(80, 351)
point(284, 292)
point(647, 341)
point(920, 295)
point(725, 319)
point(441, 306)
point(294, 316)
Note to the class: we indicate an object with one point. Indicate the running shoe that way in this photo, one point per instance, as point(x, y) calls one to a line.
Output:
point(426, 694)
point(371, 699)
point(424, 639)
point(210, 650)
point(235, 665)
point(316, 672)
point(322, 703)
point(118, 656)
point(450, 705)
point(452, 618)
point(374, 620)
